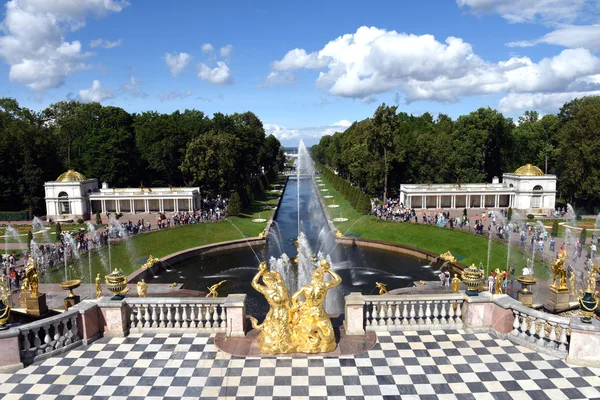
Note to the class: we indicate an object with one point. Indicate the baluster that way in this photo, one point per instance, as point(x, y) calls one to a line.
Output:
point(553, 342)
point(443, 312)
point(140, 322)
point(201, 313)
point(421, 315)
point(532, 329)
point(397, 313)
point(215, 317)
point(428, 313)
point(382, 314)
point(161, 323)
point(516, 324)
point(458, 318)
point(184, 316)
point(65, 338)
point(154, 316)
point(26, 341)
point(405, 314)
point(524, 327)
point(132, 319)
point(177, 316)
point(207, 317)
point(57, 342)
point(412, 313)
point(223, 317)
point(148, 321)
point(436, 312)
point(563, 338)
point(48, 341)
point(390, 314)
point(193, 322)
point(169, 316)
point(74, 333)
point(542, 334)
point(374, 314)
point(36, 339)
point(367, 313)
point(450, 312)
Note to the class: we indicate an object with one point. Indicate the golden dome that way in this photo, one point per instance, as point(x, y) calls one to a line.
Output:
point(71, 176)
point(529, 170)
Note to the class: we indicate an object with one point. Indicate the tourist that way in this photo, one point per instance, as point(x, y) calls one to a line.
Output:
point(491, 282)
point(593, 249)
point(442, 278)
point(552, 244)
point(504, 281)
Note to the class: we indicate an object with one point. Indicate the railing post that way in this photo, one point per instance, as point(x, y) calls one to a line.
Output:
point(354, 323)
point(114, 317)
point(10, 357)
point(236, 314)
point(88, 321)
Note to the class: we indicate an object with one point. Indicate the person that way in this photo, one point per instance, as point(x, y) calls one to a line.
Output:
point(552, 244)
point(504, 281)
point(593, 249)
point(491, 282)
point(442, 278)
point(447, 278)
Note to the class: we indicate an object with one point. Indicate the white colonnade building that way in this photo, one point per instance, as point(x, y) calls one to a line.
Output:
point(73, 196)
point(527, 189)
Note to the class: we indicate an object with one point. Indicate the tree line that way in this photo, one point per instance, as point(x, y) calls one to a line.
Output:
point(218, 154)
point(393, 147)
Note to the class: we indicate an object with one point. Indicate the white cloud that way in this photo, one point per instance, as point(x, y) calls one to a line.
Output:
point(207, 48)
point(528, 10)
point(316, 132)
point(173, 95)
point(226, 51)
point(571, 36)
point(177, 62)
point(34, 42)
point(96, 93)
point(134, 88)
point(107, 44)
point(219, 75)
point(373, 61)
point(277, 78)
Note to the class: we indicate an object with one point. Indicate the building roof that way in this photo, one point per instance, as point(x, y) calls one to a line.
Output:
point(71, 176)
point(529, 170)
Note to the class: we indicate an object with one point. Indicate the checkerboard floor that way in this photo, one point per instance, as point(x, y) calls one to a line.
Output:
point(423, 365)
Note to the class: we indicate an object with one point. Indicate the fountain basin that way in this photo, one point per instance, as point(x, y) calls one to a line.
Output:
point(259, 220)
point(321, 184)
point(324, 190)
point(70, 285)
point(340, 219)
point(328, 197)
point(333, 205)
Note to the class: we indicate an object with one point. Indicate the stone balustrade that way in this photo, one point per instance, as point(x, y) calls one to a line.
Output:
point(187, 314)
point(546, 332)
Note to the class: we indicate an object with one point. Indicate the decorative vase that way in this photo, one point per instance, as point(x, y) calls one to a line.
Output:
point(588, 302)
point(473, 278)
point(70, 285)
point(116, 283)
point(4, 314)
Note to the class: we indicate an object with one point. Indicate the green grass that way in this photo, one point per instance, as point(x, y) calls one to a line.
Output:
point(427, 237)
point(160, 243)
point(39, 237)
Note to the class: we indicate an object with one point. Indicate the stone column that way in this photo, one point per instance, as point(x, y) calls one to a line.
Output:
point(146, 206)
point(10, 357)
point(114, 317)
point(438, 202)
point(468, 200)
point(118, 205)
point(496, 201)
point(482, 201)
point(132, 206)
point(191, 206)
point(585, 342)
point(103, 202)
point(354, 319)
point(235, 304)
point(176, 205)
point(424, 202)
point(161, 206)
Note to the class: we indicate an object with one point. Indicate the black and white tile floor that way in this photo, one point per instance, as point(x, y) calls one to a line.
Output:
point(403, 365)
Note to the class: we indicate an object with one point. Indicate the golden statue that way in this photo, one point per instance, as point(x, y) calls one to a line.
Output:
point(382, 289)
point(98, 287)
point(151, 261)
point(499, 280)
point(455, 284)
point(263, 234)
point(572, 286)
point(23, 294)
point(33, 280)
point(4, 303)
point(142, 288)
point(338, 233)
point(212, 291)
point(559, 273)
point(447, 256)
point(313, 331)
point(276, 331)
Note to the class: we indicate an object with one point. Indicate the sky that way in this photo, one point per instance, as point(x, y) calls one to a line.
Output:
point(306, 69)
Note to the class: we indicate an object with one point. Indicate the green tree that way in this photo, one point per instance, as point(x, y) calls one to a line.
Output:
point(583, 236)
point(234, 207)
point(554, 230)
point(98, 218)
point(58, 231)
point(29, 239)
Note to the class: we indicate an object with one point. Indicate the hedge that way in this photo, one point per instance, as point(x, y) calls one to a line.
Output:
point(355, 196)
point(14, 215)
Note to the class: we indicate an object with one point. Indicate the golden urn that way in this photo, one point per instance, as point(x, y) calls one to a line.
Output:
point(116, 283)
point(473, 278)
point(70, 285)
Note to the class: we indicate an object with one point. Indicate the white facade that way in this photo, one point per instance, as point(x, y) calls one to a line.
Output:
point(527, 189)
point(73, 196)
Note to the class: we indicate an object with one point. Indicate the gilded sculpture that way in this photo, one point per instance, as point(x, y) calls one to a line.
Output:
point(33, 280)
point(382, 288)
point(455, 284)
point(150, 262)
point(142, 288)
point(302, 326)
point(212, 291)
point(98, 287)
point(559, 273)
point(447, 256)
point(4, 303)
point(499, 280)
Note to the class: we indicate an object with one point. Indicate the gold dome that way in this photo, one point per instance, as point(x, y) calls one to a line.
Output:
point(71, 176)
point(529, 170)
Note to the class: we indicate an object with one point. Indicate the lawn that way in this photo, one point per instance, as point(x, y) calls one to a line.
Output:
point(473, 248)
point(38, 234)
point(159, 243)
point(579, 225)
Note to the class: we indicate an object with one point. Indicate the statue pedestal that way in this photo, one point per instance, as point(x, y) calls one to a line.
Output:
point(525, 297)
point(71, 301)
point(558, 300)
point(37, 305)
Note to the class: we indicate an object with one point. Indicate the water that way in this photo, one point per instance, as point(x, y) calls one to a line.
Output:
point(94, 236)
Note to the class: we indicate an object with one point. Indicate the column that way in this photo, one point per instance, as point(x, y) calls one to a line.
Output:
point(496, 201)
point(176, 205)
point(438, 202)
point(407, 202)
point(424, 202)
point(146, 206)
point(161, 206)
point(118, 205)
point(482, 201)
point(132, 206)
point(190, 205)
point(103, 202)
point(453, 201)
point(468, 201)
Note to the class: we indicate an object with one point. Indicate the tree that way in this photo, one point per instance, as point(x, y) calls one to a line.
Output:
point(583, 236)
point(58, 231)
point(29, 239)
point(98, 218)
point(509, 214)
point(554, 230)
point(234, 207)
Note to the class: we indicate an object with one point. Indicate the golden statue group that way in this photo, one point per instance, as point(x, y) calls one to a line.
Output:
point(291, 325)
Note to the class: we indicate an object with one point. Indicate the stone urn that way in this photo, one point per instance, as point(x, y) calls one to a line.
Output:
point(588, 302)
point(116, 283)
point(72, 298)
point(473, 278)
point(525, 295)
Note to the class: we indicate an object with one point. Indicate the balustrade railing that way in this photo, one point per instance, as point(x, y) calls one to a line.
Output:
point(413, 312)
point(48, 335)
point(540, 329)
point(194, 314)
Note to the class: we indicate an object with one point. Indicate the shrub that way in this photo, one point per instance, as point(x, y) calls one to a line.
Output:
point(249, 193)
point(14, 215)
point(98, 218)
point(508, 214)
point(364, 205)
point(80, 221)
point(234, 208)
point(583, 236)
point(530, 217)
point(29, 239)
point(58, 230)
point(554, 230)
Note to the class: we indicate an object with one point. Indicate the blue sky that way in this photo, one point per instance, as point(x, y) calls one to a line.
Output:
point(305, 68)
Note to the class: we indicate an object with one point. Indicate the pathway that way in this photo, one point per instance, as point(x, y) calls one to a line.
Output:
point(424, 365)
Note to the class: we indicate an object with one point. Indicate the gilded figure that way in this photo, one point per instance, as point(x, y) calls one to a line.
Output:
point(142, 288)
point(499, 280)
point(275, 331)
point(572, 285)
point(559, 274)
point(212, 291)
point(455, 284)
point(33, 280)
point(382, 288)
point(98, 287)
point(313, 331)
